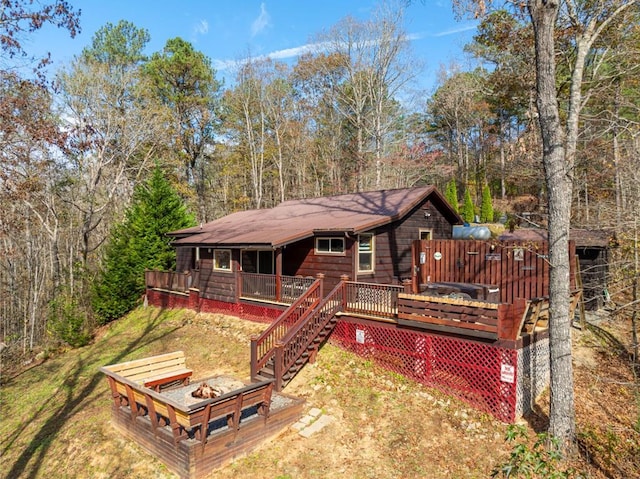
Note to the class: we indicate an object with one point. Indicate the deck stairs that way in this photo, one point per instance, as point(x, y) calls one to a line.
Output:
point(294, 339)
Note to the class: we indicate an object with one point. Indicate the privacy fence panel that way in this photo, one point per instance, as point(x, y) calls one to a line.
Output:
point(519, 269)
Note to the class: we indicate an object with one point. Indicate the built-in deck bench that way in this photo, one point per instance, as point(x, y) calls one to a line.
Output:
point(479, 319)
point(155, 371)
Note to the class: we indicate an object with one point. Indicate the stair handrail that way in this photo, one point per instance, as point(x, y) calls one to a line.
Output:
point(291, 346)
point(263, 345)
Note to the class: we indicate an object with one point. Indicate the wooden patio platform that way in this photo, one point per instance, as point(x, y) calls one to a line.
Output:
point(189, 459)
point(155, 405)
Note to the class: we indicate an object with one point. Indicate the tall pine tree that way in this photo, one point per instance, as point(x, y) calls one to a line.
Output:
point(451, 194)
point(486, 208)
point(468, 210)
point(137, 244)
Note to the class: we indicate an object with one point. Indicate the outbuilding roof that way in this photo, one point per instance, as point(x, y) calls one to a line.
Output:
point(583, 238)
point(295, 220)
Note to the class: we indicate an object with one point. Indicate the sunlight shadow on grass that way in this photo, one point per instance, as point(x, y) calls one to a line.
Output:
point(102, 352)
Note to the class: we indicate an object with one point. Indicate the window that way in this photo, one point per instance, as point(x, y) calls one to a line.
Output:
point(222, 259)
point(195, 264)
point(426, 234)
point(258, 261)
point(365, 253)
point(330, 245)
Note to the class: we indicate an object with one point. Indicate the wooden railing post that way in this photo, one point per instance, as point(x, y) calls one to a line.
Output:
point(238, 285)
point(344, 278)
point(320, 276)
point(278, 362)
point(278, 278)
point(407, 284)
point(254, 357)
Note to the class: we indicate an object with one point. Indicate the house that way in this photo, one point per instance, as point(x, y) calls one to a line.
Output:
point(365, 236)
point(335, 267)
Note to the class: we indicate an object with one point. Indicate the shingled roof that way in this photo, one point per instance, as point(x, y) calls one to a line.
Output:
point(295, 220)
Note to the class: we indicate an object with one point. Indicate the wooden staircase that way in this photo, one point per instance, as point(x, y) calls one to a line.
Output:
point(294, 339)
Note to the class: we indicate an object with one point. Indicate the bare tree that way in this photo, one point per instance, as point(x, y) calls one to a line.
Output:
point(586, 21)
point(377, 64)
point(248, 120)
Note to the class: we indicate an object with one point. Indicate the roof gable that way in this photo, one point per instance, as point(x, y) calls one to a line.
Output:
point(294, 220)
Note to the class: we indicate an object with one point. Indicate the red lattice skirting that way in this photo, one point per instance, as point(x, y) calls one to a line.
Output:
point(480, 374)
point(174, 300)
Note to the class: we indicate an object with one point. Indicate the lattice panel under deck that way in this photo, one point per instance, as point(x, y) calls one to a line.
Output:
point(468, 370)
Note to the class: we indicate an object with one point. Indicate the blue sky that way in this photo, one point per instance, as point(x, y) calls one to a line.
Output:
point(227, 31)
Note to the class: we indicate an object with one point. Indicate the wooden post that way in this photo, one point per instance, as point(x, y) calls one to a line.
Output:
point(173, 422)
point(408, 285)
point(254, 357)
point(278, 364)
point(238, 284)
point(153, 416)
point(414, 269)
point(278, 274)
point(132, 401)
point(320, 276)
point(344, 278)
point(578, 275)
point(201, 433)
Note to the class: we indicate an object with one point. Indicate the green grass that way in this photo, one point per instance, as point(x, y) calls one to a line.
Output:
point(49, 412)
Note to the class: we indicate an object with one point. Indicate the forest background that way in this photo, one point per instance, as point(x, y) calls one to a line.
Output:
point(75, 147)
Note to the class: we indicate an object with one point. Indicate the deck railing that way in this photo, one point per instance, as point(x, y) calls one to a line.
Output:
point(379, 300)
point(262, 346)
point(300, 337)
point(169, 280)
point(265, 287)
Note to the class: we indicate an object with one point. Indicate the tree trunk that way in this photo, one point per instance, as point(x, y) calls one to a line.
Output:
point(559, 185)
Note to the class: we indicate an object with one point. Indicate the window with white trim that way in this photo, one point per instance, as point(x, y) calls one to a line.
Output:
point(330, 246)
point(365, 253)
point(222, 259)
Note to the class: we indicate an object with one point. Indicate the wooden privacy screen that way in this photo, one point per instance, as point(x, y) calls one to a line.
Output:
point(519, 269)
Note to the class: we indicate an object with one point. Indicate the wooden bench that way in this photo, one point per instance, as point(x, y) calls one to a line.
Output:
point(155, 371)
point(230, 406)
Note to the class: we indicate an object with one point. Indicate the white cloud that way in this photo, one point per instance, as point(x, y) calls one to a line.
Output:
point(262, 22)
point(453, 31)
point(222, 65)
point(201, 28)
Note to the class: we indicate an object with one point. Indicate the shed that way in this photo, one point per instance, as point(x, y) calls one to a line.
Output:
point(592, 250)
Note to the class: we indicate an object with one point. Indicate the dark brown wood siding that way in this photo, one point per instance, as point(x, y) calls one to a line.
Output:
point(300, 259)
point(219, 285)
point(393, 243)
